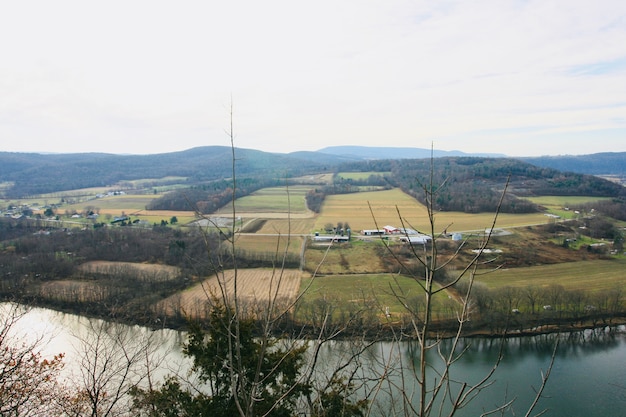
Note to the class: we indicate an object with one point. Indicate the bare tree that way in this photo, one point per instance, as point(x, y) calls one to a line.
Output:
point(247, 370)
point(28, 381)
point(429, 387)
point(113, 359)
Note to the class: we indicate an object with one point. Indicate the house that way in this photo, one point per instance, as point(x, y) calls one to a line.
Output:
point(391, 230)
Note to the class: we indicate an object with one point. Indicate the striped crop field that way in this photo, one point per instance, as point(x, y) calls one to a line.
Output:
point(272, 200)
point(297, 226)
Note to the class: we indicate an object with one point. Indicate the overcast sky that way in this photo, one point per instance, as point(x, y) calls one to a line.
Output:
point(515, 77)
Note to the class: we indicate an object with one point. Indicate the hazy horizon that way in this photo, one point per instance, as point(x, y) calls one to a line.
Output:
point(526, 78)
point(319, 150)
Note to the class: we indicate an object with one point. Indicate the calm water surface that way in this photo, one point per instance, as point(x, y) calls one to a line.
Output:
point(588, 378)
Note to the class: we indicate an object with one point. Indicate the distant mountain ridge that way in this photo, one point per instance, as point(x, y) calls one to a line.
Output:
point(23, 174)
point(605, 163)
point(383, 152)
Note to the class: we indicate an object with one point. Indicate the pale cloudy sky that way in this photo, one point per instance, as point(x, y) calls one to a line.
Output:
point(515, 77)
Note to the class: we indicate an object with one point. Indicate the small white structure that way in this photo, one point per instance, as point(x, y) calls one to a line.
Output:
point(418, 239)
point(331, 238)
point(373, 232)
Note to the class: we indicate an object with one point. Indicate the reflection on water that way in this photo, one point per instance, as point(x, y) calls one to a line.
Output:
point(588, 378)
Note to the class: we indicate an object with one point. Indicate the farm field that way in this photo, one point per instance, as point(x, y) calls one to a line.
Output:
point(272, 200)
point(91, 290)
point(557, 204)
point(361, 176)
point(313, 179)
point(344, 258)
point(354, 209)
point(131, 205)
point(374, 290)
point(254, 287)
point(269, 244)
point(151, 272)
point(588, 276)
point(297, 226)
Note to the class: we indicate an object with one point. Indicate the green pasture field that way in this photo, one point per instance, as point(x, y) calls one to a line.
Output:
point(83, 194)
point(358, 176)
point(272, 200)
point(155, 182)
point(564, 201)
point(588, 276)
point(385, 206)
point(378, 289)
point(352, 257)
point(92, 191)
point(558, 204)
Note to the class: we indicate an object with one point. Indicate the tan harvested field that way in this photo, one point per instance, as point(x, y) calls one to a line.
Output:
point(385, 205)
point(70, 290)
point(254, 287)
point(353, 208)
point(126, 202)
point(147, 271)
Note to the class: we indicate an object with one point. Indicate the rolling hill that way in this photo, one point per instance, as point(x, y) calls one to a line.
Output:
point(23, 174)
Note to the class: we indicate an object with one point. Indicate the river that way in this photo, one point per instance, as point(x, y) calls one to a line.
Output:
point(588, 377)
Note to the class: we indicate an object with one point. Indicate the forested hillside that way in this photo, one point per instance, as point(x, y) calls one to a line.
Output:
point(28, 174)
point(475, 184)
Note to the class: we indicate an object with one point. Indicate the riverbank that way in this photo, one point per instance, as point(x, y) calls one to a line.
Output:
point(517, 326)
